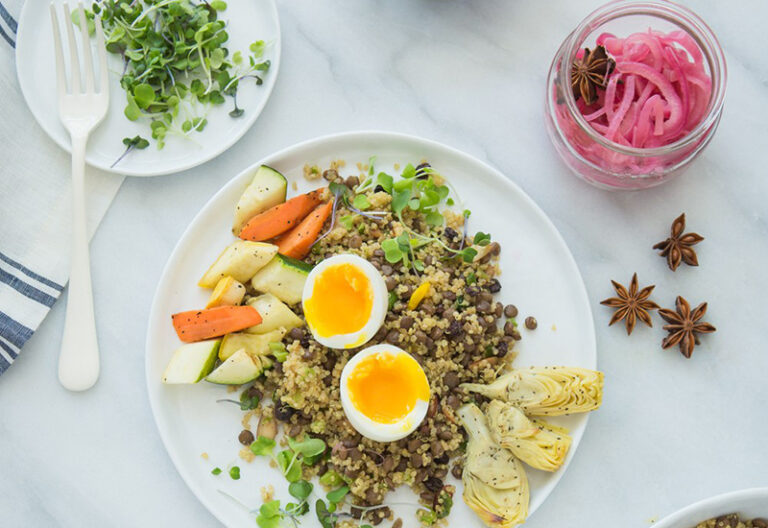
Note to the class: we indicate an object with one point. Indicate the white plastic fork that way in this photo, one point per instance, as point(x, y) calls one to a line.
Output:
point(82, 106)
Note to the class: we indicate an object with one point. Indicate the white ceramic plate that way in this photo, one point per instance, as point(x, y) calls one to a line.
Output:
point(35, 66)
point(539, 276)
point(750, 504)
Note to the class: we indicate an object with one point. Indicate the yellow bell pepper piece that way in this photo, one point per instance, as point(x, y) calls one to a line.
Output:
point(418, 295)
point(228, 292)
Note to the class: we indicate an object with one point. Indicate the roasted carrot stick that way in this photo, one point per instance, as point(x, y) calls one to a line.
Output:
point(196, 325)
point(280, 218)
point(297, 242)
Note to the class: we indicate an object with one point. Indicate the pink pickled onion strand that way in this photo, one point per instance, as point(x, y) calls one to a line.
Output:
point(630, 120)
point(614, 46)
point(684, 93)
point(646, 93)
point(600, 40)
point(610, 95)
point(665, 87)
point(626, 101)
point(594, 115)
point(643, 128)
point(658, 117)
point(688, 44)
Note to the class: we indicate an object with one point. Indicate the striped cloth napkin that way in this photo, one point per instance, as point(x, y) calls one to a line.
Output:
point(35, 206)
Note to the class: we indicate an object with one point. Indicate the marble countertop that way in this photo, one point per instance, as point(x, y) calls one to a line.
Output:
point(469, 74)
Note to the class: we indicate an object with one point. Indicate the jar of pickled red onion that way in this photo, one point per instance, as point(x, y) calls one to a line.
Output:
point(642, 116)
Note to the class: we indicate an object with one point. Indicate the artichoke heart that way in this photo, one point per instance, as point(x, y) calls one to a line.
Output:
point(546, 391)
point(537, 443)
point(495, 483)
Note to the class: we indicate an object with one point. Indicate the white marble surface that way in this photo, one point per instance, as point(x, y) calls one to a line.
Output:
point(470, 74)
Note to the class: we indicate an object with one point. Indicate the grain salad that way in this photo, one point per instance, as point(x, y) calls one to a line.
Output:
point(457, 333)
point(363, 327)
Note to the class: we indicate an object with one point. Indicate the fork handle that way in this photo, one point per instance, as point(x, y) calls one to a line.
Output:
point(79, 358)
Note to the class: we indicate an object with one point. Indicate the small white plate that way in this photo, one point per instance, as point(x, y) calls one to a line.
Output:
point(539, 276)
point(35, 67)
point(749, 504)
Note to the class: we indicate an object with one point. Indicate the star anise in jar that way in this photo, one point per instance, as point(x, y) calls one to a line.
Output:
point(684, 325)
point(631, 305)
point(590, 72)
point(677, 248)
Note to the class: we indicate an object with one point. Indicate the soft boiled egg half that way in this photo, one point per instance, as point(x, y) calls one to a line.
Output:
point(345, 301)
point(384, 393)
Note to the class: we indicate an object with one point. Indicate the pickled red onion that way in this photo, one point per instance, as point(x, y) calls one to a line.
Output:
point(658, 92)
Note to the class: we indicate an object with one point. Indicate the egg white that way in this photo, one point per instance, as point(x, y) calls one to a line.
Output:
point(376, 431)
point(378, 307)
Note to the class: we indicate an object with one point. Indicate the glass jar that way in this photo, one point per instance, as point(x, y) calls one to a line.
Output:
point(608, 164)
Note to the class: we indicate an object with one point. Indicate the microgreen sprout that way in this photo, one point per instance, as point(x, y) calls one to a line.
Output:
point(136, 142)
point(175, 62)
point(306, 451)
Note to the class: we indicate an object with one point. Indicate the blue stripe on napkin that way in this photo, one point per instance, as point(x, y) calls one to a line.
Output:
point(12, 25)
point(4, 364)
point(26, 290)
point(7, 38)
point(5, 15)
point(11, 352)
point(14, 332)
point(31, 274)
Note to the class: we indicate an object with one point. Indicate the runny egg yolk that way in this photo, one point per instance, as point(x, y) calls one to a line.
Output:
point(341, 301)
point(385, 387)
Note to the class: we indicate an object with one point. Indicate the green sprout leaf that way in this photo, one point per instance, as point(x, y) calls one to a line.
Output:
point(269, 515)
point(132, 110)
point(361, 202)
point(216, 471)
point(262, 446)
point(468, 254)
point(434, 218)
point(323, 515)
point(144, 95)
point(330, 479)
point(337, 495)
point(308, 447)
point(400, 199)
point(385, 181)
point(248, 402)
point(347, 221)
point(286, 461)
point(234, 473)
point(482, 239)
point(300, 489)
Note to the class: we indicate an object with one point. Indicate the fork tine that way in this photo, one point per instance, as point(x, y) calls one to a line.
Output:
point(86, 42)
point(75, 62)
point(61, 79)
point(103, 80)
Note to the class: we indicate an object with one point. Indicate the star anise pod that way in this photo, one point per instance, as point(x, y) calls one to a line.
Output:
point(677, 248)
point(589, 73)
point(684, 325)
point(631, 304)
